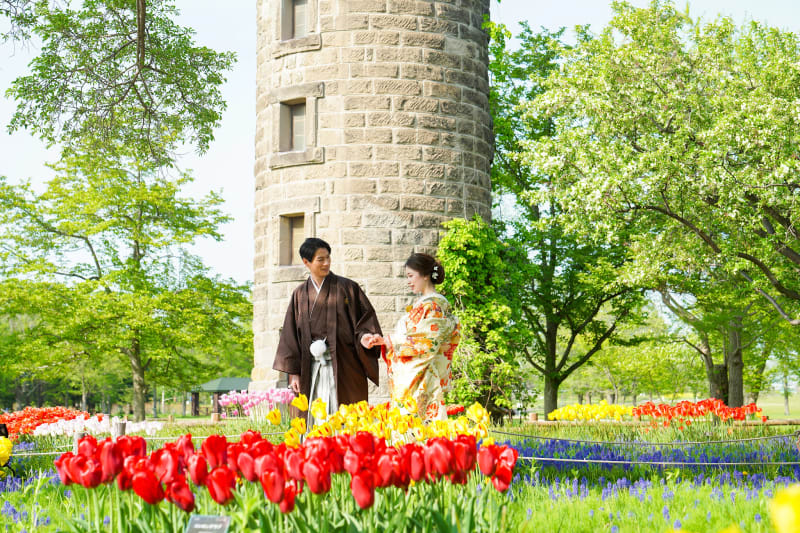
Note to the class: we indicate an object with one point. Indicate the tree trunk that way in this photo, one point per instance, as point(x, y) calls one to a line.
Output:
point(718, 382)
point(137, 369)
point(785, 394)
point(83, 393)
point(550, 395)
point(735, 362)
point(155, 402)
point(580, 397)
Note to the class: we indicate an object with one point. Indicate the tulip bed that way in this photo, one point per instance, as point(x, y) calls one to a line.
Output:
point(371, 469)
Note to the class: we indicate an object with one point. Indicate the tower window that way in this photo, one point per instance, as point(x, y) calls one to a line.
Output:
point(293, 127)
point(292, 234)
point(299, 18)
point(294, 19)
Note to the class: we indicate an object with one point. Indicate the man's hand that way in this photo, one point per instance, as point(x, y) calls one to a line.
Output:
point(371, 339)
point(294, 383)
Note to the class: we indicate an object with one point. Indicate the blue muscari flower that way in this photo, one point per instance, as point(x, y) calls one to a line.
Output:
point(665, 513)
point(106, 520)
point(676, 525)
point(757, 518)
point(591, 513)
point(530, 512)
point(708, 516)
point(614, 529)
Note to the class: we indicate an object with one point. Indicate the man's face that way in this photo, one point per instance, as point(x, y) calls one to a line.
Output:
point(320, 264)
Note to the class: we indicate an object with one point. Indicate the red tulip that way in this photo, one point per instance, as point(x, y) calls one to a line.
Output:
point(267, 462)
point(147, 487)
point(198, 469)
point(110, 459)
point(185, 446)
point(508, 456)
point(487, 459)
point(250, 437)
point(351, 462)
point(363, 489)
point(502, 477)
point(363, 443)
point(125, 480)
point(61, 468)
point(317, 477)
point(179, 493)
point(234, 449)
point(289, 493)
point(247, 466)
point(132, 445)
point(74, 465)
point(273, 484)
point(215, 450)
point(87, 446)
point(220, 483)
point(416, 463)
point(165, 464)
point(385, 469)
point(438, 457)
point(293, 461)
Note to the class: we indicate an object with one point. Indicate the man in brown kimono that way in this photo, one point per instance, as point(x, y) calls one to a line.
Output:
point(334, 309)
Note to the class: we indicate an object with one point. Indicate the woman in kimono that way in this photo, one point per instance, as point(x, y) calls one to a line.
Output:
point(419, 353)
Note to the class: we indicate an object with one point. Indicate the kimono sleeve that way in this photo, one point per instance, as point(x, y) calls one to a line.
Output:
point(366, 322)
point(288, 355)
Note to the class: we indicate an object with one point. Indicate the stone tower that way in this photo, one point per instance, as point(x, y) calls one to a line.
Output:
point(372, 129)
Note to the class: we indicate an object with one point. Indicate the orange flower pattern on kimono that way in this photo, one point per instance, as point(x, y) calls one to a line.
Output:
point(419, 355)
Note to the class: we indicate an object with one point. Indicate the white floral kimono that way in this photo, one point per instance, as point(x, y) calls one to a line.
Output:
point(419, 353)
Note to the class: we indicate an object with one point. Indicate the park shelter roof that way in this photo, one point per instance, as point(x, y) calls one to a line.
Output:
point(224, 385)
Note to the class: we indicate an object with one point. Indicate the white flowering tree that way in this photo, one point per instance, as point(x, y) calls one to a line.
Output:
point(683, 135)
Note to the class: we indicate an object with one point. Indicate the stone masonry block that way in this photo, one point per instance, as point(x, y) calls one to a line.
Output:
point(401, 185)
point(423, 203)
point(387, 287)
point(354, 186)
point(398, 153)
point(442, 27)
point(367, 203)
point(422, 72)
point(387, 220)
point(436, 122)
point(378, 135)
point(354, 120)
point(366, 6)
point(411, 7)
point(393, 22)
point(423, 170)
point(408, 87)
point(442, 59)
point(416, 237)
point(361, 170)
point(423, 40)
point(402, 55)
point(416, 103)
point(366, 236)
point(441, 155)
point(378, 118)
point(358, 102)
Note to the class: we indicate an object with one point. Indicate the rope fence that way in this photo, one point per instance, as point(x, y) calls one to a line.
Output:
point(676, 444)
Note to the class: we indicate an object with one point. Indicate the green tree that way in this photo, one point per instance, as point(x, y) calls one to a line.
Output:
point(569, 287)
point(683, 134)
point(482, 280)
point(116, 73)
point(99, 260)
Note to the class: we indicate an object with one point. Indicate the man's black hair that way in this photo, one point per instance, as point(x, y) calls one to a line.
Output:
point(310, 247)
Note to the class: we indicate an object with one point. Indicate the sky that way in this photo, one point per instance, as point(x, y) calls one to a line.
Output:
point(227, 167)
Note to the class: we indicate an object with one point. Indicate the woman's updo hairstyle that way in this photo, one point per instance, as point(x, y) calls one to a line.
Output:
point(426, 265)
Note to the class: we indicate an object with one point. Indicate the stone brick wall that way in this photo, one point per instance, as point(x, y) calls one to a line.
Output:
point(397, 112)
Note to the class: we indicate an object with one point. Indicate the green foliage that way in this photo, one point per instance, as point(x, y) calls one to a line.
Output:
point(102, 79)
point(483, 282)
point(98, 262)
point(568, 288)
point(684, 135)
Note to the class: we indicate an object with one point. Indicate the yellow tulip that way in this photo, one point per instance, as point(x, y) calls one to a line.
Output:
point(274, 416)
point(785, 509)
point(301, 402)
point(410, 404)
point(319, 409)
point(292, 438)
point(299, 425)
